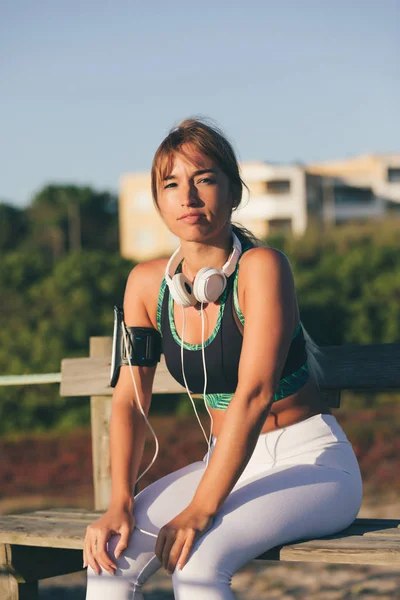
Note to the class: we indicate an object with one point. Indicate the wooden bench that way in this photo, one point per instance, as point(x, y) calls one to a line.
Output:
point(47, 543)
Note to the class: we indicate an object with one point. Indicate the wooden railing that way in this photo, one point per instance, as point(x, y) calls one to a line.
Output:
point(48, 543)
point(351, 367)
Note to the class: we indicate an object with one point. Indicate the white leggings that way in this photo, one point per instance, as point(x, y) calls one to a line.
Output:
point(302, 481)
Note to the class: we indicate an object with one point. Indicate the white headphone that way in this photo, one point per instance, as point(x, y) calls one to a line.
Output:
point(208, 284)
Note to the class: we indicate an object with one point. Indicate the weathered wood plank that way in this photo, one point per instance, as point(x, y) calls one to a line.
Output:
point(84, 517)
point(367, 541)
point(361, 367)
point(386, 533)
point(365, 527)
point(100, 414)
point(91, 377)
point(355, 550)
point(45, 533)
point(369, 367)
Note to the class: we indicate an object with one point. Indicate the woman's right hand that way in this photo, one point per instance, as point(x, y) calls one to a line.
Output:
point(115, 521)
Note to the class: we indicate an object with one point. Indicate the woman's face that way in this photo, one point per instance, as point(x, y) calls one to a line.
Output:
point(195, 199)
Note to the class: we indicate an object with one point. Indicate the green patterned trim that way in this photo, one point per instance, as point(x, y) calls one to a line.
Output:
point(235, 285)
point(287, 386)
point(212, 336)
point(297, 330)
point(236, 297)
point(220, 401)
point(292, 383)
point(159, 303)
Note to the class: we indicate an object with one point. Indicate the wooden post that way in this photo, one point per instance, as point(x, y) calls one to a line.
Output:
point(13, 587)
point(100, 409)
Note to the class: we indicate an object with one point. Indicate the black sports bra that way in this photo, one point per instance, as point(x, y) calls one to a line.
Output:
point(222, 351)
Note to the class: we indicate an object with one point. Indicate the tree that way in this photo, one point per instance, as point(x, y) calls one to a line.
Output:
point(68, 218)
point(47, 314)
point(13, 226)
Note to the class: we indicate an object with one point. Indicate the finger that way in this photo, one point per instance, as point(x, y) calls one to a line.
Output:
point(86, 544)
point(125, 533)
point(160, 544)
point(186, 550)
point(99, 552)
point(169, 542)
point(174, 554)
point(86, 550)
point(93, 563)
point(89, 558)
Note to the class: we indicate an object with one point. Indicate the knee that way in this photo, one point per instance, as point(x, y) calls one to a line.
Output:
point(135, 560)
point(201, 572)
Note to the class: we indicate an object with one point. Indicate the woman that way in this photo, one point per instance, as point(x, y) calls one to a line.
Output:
point(280, 467)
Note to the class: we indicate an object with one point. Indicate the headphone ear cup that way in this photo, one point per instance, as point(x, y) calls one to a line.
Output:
point(209, 284)
point(181, 290)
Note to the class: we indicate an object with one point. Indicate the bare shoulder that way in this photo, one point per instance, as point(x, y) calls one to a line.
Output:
point(267, 282)
point(148, 273)
point(264, 260)
point(141, 292)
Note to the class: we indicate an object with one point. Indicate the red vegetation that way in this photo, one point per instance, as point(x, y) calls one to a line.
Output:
point(60, 465)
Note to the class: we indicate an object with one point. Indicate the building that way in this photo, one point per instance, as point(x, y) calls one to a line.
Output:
point(280, 198)
point(362, 187)
point(277, 199)
point(143, 234)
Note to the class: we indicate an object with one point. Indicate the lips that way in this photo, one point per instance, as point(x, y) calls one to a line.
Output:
point(192, 217)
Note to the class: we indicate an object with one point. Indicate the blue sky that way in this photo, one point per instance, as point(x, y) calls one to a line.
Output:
point(90, 88)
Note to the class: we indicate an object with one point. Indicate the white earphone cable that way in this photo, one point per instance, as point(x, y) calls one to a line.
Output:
point(147, 423)
point(184, 378)
point(208, 439)
point(141, 409)
point(203, 354)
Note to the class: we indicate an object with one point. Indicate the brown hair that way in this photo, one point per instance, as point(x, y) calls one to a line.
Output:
point(206, 139)
point(211, 142)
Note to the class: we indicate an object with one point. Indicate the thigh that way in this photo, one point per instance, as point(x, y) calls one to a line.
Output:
point(282, 505)
point(162, 500)
point(154, 507)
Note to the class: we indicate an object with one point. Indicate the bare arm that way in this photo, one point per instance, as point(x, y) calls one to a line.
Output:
point(269, 309)
point(127, 431)
point(270, 318)
point(127, 425)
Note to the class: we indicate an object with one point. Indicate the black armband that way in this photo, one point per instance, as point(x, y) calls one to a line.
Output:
point(144, 346)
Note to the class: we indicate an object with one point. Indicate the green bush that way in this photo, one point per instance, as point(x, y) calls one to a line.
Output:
point(348, 288)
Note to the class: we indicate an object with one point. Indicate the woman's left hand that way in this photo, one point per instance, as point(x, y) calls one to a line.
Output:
point(175, 540)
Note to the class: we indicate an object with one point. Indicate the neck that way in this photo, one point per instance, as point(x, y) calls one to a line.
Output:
point(211, 253)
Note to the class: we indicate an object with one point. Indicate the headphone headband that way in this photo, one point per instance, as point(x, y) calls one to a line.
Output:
point(227, 269)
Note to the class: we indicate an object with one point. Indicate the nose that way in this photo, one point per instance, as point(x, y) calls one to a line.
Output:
point(190, 196)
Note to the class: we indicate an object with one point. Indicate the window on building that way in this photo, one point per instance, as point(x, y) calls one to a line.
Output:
point(278, 186)
point(346, 194)
point(393, 174)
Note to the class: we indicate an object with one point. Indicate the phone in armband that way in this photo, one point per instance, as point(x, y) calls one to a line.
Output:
point(144, 346)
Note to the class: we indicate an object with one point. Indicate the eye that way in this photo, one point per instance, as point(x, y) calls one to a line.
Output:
point(207, 180)
point(170, 185)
